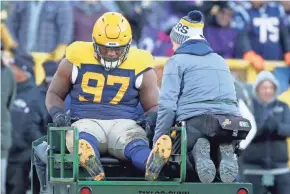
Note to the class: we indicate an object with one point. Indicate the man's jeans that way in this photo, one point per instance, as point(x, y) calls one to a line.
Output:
point(40, 162)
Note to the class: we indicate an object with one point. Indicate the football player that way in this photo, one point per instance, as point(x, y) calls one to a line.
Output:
point(106, 79)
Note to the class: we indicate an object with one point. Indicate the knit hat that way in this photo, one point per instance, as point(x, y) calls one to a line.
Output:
point(188, 26)
point(265, 76)
point(23, 61)
point(50, 67)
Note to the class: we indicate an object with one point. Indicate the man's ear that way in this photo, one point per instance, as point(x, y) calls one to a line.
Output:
point(175, 45)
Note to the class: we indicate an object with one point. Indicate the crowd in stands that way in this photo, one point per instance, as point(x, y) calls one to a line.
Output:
point(254, 31)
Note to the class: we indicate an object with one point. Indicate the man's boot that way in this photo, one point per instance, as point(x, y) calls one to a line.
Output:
point(204, 166)
point(228, 168)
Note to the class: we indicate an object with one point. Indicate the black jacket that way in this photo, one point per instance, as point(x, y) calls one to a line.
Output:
point(269, 147)
point(28, 120)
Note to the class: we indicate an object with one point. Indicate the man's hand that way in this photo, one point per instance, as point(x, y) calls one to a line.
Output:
point(256, 60)
point(271, 124)
point(287, 58)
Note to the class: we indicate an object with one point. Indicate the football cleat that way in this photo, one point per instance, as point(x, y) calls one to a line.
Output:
point(90, 161)
point(158, 157)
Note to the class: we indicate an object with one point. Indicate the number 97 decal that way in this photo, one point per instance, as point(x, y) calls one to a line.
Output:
point(97, 90)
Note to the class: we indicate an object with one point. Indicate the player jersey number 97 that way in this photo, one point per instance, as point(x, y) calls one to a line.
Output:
point(97, 91)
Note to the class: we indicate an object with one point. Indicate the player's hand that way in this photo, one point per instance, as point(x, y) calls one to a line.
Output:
point(148, 123)
point(61, 120)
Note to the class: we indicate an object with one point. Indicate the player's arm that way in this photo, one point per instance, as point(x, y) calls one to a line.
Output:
point(57, 92)
point(149, 93)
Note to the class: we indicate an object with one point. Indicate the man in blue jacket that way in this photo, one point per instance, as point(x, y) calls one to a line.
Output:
point(198, 88)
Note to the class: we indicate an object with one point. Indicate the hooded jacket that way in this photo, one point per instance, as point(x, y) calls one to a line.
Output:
point(196, 81)
point(269, 148)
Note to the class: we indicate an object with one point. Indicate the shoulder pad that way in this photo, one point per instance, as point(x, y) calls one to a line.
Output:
point(80, 52)
point(141, 60)
point(147, 57)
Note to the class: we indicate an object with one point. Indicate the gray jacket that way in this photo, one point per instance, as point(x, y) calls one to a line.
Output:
point(8, 91)
point(196, 81)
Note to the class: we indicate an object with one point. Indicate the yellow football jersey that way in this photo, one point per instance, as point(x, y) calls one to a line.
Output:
point(106, 94)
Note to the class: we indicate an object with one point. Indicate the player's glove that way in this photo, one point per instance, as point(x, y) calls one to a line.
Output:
point(148, 123)
point(59, 117)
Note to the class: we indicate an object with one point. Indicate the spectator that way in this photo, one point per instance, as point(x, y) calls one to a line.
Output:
point(285, 97)
point(155, 34)
point(222, 38)
point(50, 68)
point(181, 9)
point(156, 41)
point(8, 90)
point(283, 73)
point(266, 35)
point(6, 6)
point(85, 15)
point(42, 26)
point(27, 122)
point(6, 40)
point(286, 5)
point(268, 150)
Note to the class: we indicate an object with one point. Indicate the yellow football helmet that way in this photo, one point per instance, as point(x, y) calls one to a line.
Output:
point(112, 37)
